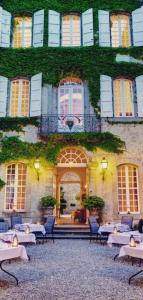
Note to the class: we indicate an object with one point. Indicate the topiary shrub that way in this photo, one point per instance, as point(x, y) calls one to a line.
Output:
point(48, 201)
point(94, 202)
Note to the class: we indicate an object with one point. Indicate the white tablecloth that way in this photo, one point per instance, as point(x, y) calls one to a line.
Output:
point(9, 252)
point(110, 227)
point(132, 251)
point(22, 236)
point(33, 227)
point(124, 237)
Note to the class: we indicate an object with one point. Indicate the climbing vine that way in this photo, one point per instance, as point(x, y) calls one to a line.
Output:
point(2, 183)
point(12, 148)
point(55, 63)
point(16, 124)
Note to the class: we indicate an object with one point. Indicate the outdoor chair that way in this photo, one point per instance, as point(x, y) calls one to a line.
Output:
point(94, 227)
point(15, 220)
point(49, 227)
point(127, 220)
point(2, 220)
point(140, 226)
point(3, 227)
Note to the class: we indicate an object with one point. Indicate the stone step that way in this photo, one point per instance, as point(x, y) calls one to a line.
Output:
point(73, 232)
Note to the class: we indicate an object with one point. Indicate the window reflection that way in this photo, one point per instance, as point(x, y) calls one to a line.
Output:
point(123, 98)
point(22, 35)
point(71, 30)
point(120, 31)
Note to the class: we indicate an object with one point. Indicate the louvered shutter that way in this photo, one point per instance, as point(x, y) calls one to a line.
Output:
point(5, 29)
point(104, 28)
point(36, 95)
point(54, 29)
point(0, 23)
point(3, 95)
point(38, 28)
point(87, 28)
point(139, 90)
point(106, 96)
point(137, 25)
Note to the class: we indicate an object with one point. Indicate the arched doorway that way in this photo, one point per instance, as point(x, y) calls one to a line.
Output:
point(71, 183)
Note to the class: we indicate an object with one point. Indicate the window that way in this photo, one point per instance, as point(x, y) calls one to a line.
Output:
point(16, 187)
point(120, 31)
point(19, 98)
point(71, 30)
point(22, 35)
point(71, 102)
point(128, 194)
point(123, 98)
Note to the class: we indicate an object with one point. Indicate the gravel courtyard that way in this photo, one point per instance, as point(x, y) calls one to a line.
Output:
point(71, 270)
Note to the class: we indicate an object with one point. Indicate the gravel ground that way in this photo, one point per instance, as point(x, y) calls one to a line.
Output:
point(72, 270)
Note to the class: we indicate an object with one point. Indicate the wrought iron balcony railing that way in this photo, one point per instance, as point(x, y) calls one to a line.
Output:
point(68, 124)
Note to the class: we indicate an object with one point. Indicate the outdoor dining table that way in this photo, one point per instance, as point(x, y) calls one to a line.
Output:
point(32, 227)
point(7, 252)
point(123, 238)
point(136, 252)
point(22, 236)
point(108, 228)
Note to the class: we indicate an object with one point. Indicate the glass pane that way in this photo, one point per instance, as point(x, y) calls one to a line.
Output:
point(22, 33)
point(123, 98)
point(120, 31)
point(19, 100)
point(71, 31)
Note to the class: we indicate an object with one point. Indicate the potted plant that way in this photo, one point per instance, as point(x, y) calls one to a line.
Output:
point(46, 206)
point(95, 205)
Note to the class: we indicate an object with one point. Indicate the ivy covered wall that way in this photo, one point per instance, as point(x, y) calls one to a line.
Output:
point(55, 63)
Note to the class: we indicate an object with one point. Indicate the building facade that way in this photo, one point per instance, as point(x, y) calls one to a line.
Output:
point(71, 70)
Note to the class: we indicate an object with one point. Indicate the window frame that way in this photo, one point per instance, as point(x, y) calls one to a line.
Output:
point(19, 104)
point(15, 203)
point(61, 28)
point(127, 181)
point(133, 96)
point(117, 13)
point(28, 15)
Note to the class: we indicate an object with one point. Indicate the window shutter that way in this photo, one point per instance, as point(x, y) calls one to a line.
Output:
point(5, 29)
point(36, 95)
point(0, 23)
point(139, 90)
point(137, 24)
point(104, 28)
point(106, 96)
point(38, 28)
point(87, 28)
point(3, 95)
point(54, 29)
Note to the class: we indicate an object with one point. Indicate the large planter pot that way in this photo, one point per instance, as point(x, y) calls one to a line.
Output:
point(45, 212)
point(97, 213)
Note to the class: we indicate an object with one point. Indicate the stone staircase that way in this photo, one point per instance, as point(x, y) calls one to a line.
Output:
point(72, 232)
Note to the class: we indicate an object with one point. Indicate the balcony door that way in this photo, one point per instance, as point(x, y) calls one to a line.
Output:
point(71, 106)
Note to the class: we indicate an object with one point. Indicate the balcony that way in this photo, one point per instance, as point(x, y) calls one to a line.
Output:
point(68, 124)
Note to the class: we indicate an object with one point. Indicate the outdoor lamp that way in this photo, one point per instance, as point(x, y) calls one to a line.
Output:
point(27, 229)
point(104, 165)
point(132, 242)
point(15, 241)
point(37, 167)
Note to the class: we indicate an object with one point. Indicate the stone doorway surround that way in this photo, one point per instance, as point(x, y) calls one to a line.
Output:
point(72, 160)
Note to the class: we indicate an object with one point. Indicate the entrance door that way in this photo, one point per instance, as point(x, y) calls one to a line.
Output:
point(69, 198)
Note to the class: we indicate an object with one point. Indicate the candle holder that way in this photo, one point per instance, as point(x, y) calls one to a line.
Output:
point(15, 241)
point(132, 242)
point(27, 229)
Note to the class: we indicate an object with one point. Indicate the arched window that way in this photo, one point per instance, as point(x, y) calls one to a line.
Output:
point(19, 98)
point(123, 98)
point(120, 30)
point(15, 187)
point(71, 104)
point(128, 193)
point(72, 157)
point(71, 30)
point(22, 34)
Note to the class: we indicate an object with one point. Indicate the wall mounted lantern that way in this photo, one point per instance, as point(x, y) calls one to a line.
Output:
point(104, 166)
point(37, 167)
